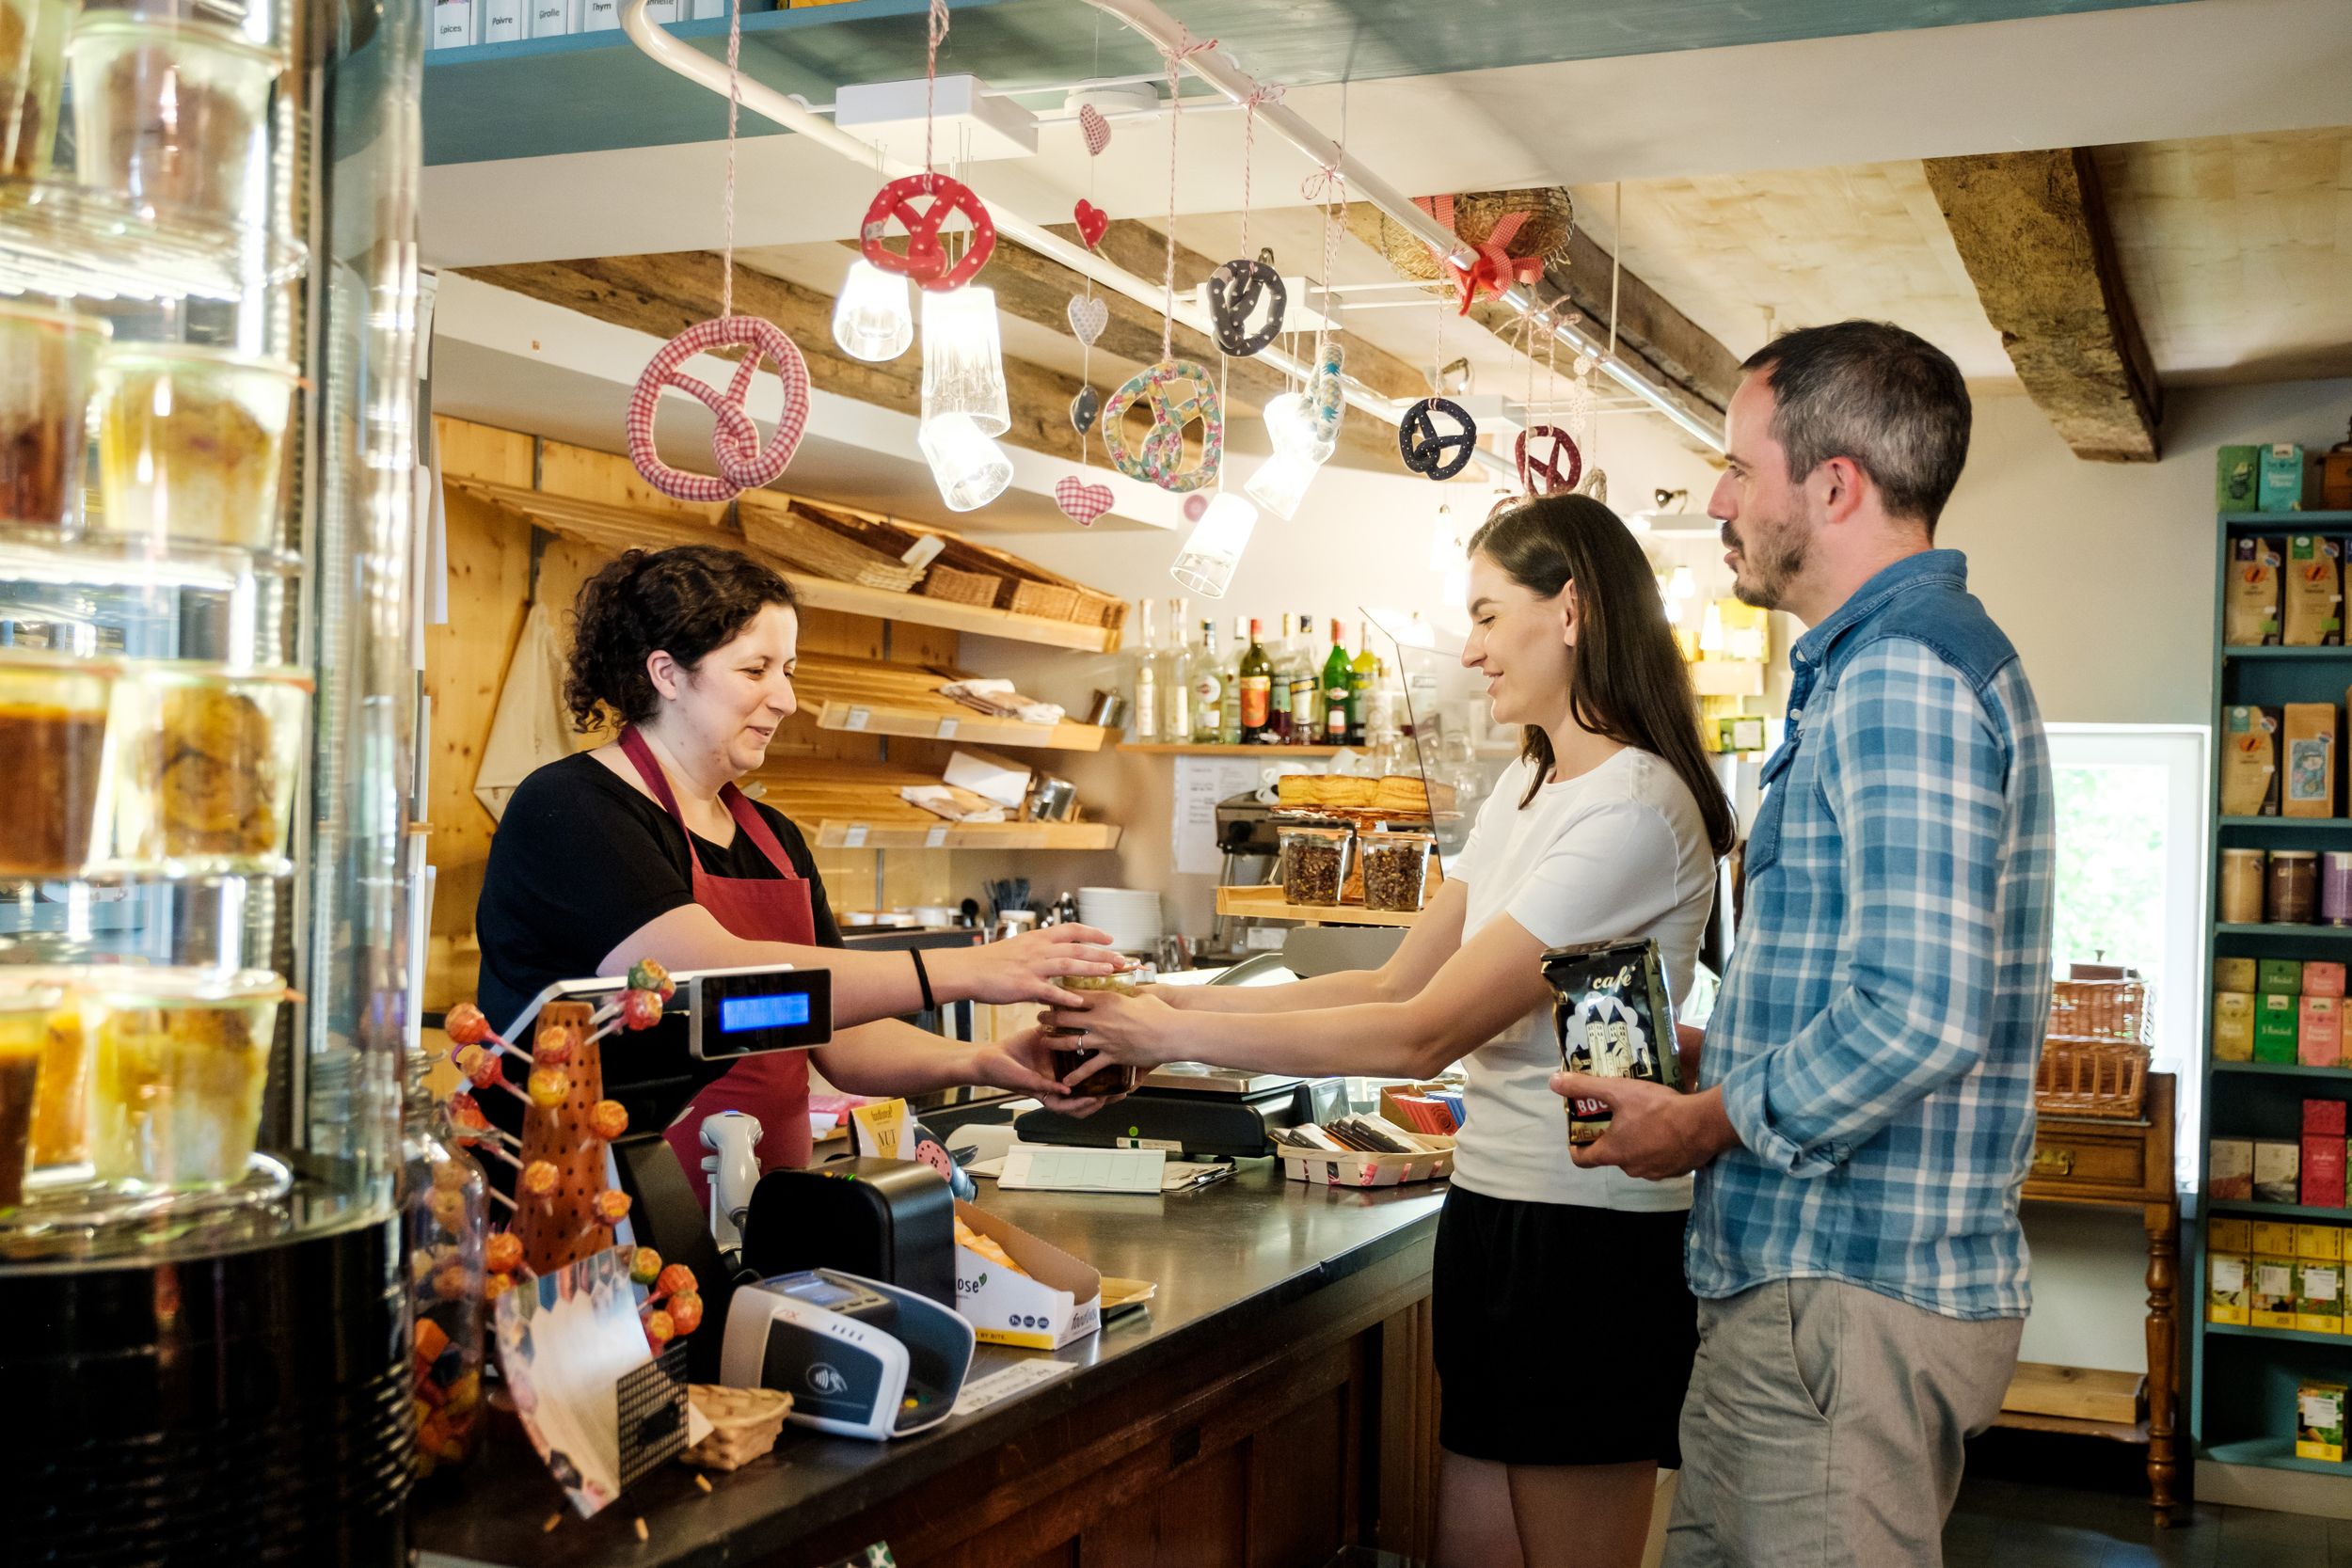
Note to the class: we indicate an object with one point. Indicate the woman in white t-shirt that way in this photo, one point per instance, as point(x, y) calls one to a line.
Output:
point(1564, 1327)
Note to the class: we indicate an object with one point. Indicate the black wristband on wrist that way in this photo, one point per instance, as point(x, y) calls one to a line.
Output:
point(922, 978)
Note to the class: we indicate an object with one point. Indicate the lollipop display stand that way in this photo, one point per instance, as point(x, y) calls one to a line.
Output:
point(569, 1222)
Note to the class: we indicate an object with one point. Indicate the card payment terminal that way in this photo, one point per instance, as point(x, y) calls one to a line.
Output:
point(859, 1357)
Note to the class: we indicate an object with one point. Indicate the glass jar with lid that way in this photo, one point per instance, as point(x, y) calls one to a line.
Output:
point(1315, 864)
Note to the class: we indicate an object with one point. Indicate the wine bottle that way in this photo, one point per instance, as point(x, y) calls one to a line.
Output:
point(1337, 708)
point(1256, 690)
point(1176, 678)
point(1305, 685)
point(1143, 720)
point(1277, 718)
point(1362, 672)
point(1208, 691)
point(1229, 729)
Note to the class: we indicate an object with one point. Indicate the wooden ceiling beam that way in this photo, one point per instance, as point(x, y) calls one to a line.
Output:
point(1653, 336)
point(2032, 229)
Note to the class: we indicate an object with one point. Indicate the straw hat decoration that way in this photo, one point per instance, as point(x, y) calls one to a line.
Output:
point(1512, 236)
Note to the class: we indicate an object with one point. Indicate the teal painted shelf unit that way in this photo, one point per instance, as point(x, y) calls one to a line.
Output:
point(2243, 1380)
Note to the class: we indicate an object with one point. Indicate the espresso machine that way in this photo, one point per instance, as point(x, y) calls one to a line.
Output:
point(1252, 854)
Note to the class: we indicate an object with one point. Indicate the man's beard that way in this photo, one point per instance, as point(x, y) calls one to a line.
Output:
point(1771, 563)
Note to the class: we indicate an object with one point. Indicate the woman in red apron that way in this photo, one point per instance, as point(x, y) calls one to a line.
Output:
point(646, 848)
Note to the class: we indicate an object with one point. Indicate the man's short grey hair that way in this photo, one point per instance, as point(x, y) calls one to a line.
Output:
point(1870, 391)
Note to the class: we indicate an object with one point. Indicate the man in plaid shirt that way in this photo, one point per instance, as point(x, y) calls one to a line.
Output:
point(1866, 1109)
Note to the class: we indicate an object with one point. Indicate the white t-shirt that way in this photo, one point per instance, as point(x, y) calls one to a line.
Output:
point(1616, 854)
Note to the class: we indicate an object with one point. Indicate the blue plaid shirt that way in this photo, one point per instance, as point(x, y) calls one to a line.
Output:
point(1878, 1029)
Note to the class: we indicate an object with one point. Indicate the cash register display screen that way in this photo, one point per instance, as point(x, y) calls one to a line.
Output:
point(739, 1013)
point(823, 1292)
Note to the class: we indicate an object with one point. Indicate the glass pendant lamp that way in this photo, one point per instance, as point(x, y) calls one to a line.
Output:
point(971, 469)
point(872, 317)
point(1280, 483)
point(1205, 565)
point(963, 361)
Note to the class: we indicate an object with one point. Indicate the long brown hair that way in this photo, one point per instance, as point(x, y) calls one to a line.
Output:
point(1627, 680)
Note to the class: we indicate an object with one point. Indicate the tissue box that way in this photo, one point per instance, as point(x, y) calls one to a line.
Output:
point(1057, 1301)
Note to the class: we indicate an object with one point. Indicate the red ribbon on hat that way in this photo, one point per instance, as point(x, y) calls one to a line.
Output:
point(1492, 268)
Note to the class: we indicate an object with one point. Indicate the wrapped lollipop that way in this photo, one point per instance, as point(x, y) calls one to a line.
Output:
point(607, 1119)
point(636, 1009)
point(466, 1025)
point(649, 975)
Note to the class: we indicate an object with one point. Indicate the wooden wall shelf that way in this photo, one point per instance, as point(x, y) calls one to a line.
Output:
point(1266, 903)
point(874, 697)
point(1149, 748)
point(857, 806)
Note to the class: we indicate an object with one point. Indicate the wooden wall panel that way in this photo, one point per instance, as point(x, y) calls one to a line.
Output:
point(1200, 1515)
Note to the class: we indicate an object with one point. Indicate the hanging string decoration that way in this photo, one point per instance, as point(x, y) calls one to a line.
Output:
point(1083, 409)
point(1239, 285)
point(1081, 501)
point(1095, 129)
point(1540, 453)
point(1327, 392)
point(743, 463)
point(1093, 223)
point(1088, 317)
point(1177, 393)
point(1432, 453)
point(925, 260)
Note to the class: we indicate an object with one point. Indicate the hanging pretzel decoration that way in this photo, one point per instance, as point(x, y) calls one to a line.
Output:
point(1425, 450)
point(1178, 393)
point(1539, 453)
point(1326, 393)
point(925, 259)
point(1235, 292)
point(743, 463)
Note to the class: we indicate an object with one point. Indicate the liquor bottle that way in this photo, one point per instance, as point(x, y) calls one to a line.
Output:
point(1229, 727)
point(1305, 685)
point(1208, 691)
point(1338, 710)
point(1176, 677)
point(1362, 672)
point(1277, 722)
point(1143, 720)
point(1256, 690)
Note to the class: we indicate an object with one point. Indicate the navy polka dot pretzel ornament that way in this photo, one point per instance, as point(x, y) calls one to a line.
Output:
point(1430, 452)
point(1235, 292)
point(1541, 452)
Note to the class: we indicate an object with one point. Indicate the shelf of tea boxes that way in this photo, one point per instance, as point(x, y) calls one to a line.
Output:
point(1152, 749)
point(2256, 1208)
point(2292, 1336)
point(2289, 1070)
point(2292, 824)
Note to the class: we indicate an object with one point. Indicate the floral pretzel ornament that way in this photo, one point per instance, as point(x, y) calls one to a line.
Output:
point(743, 465)
point(1177, 392)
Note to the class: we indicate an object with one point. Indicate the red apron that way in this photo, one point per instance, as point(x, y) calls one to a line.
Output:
point(774, 1087)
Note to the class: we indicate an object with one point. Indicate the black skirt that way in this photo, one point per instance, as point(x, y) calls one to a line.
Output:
point(1564, 1334)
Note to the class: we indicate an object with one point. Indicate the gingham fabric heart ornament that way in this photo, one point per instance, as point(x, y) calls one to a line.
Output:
point(1093, 223)
point(1195, 504)
point(1540, 452)
point(1430, 452)
point(925, 257)
point(1088, 317)
point(743, 465)
point(1096, 129)
point(1082, 408)
point(1235, 292)
point(1081, 503)
point(1178, 393)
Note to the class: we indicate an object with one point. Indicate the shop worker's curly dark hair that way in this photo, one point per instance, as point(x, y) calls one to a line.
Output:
point(683, 601)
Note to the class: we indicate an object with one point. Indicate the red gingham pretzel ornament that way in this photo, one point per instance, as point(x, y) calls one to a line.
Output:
point(743, 465)
point(1547, 459)
point(925, 257)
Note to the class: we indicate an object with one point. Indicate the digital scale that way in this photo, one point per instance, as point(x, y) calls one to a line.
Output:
point(1189, 1108)
point(729, 1013)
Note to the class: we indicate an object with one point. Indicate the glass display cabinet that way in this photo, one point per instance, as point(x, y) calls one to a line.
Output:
point(208, 406)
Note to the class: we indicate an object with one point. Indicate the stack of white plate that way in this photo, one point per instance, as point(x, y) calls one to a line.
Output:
point(1131, 915)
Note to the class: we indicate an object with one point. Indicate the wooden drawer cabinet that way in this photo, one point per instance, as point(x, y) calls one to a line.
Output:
point(2101, 1158)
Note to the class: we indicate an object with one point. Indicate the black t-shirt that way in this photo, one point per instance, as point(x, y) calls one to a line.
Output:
point(581, 859)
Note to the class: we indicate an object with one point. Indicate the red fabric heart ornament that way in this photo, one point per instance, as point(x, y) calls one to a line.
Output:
point(1093, 223)
point(1081, 503)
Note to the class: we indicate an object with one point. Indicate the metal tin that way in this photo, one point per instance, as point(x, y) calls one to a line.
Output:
point(2293, 887)
point(2335, 887)
point(1615, 1019)
point(1052, 800)
point(2242, 875)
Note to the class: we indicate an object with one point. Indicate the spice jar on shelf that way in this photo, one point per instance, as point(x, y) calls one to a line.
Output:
point(1396, 870)
point(1314, 864)
point(445, 1226)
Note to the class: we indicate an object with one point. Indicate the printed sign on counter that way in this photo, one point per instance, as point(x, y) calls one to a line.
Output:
point(1201, 783)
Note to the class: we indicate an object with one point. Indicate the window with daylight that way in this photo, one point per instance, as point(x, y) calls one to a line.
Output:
point(2131, 874)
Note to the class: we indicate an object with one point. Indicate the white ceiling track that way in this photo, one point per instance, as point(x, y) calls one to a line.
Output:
point(1216, 68)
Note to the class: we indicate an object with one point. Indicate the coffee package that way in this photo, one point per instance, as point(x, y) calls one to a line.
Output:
point(1615, 1019)
point(2311, 583)
point(2249, 607)
point(2250, 762)
point(2307, 776)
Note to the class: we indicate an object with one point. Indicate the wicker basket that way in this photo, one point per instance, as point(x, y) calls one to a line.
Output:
point(744, 1424)
point(828, 545)
point(1551, 219)
point(1048, 599)
point(2094, 1060)
point(947, 582)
